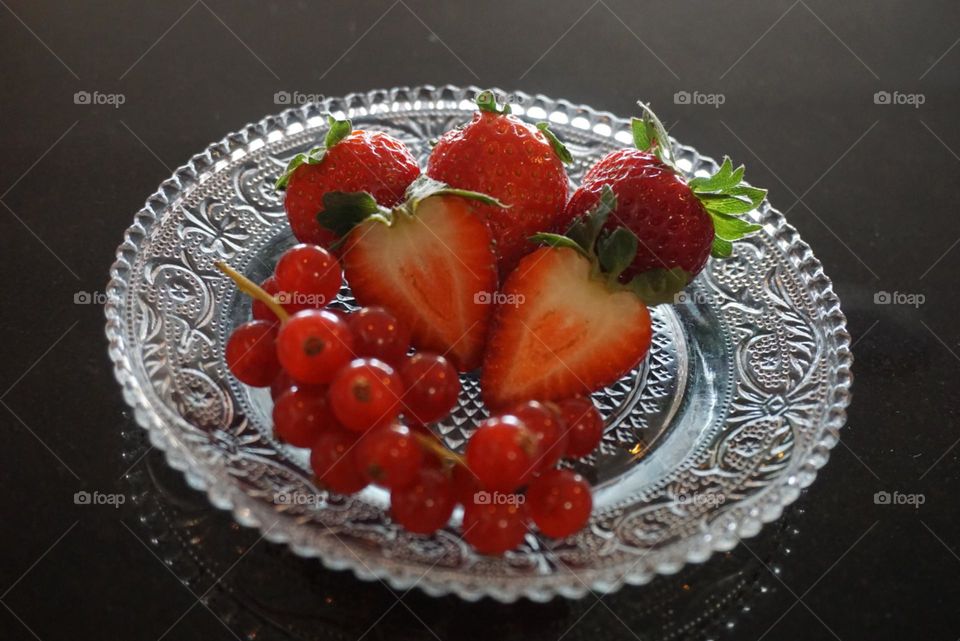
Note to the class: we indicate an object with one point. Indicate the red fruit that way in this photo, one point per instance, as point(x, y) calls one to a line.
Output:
point(548, 429)
point(300, 415)
point(559, 502)
point(424, 506)
point(584, 425)
point(465, 484)
point(251, 353)
point(656, 204)
point(365, 393)
point(332, 460)
point(502, 453)
point(389, 456)
point(432, 270)
point(281, 384)
point(308, 275)
point(378, 334)
point(498, 155)
point(431, 387)
point(679, 223)
point(494, 528)
point(359, 161)
point(259, 309)
point(573, 334)
point(313, 345)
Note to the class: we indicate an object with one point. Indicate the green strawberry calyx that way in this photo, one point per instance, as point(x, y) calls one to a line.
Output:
point(337, 131)
point(610, 252)
point(724, 195)
point(342, 211)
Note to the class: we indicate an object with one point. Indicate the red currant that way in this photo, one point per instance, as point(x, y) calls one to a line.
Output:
point(308, 275)
point(426, 504)
point(365, 393)
point(584, 425)
point(546, 426)
point(494, 528)
point(251, 353)
point(281, 384)
point(299, 415)
point(332, 460)
point(313, 345)
point(431, 387)
point(559, 503)
point(378, 334)
point(389, 456)
point(502, 453)
point(260, 310)
point(465, 484)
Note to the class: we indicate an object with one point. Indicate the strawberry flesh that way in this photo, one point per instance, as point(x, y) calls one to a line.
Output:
point(435, 270)
point(566, 332)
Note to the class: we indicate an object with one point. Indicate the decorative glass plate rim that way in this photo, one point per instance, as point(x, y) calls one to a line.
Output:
point(753, 511)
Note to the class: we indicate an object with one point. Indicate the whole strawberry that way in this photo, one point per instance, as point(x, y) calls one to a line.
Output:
point(349, 161)
point(498, 155)
point(678, 223)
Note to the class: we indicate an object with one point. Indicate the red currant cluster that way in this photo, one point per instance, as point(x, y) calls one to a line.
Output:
point(346, 386)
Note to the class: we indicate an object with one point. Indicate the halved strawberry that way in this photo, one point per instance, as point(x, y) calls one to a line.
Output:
point(566, 325)
point(430, 261)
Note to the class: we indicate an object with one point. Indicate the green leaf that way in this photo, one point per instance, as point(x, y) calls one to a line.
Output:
point(616, 251)
point(342, 211)
point(586, 229)
point(724, 204)
point(731, 227)
point(312, 157)
point(644, 133)
point(558, 147)
point(556, 240)
point(721, 248)
point(339, 129)
point(487, 101)
point(657, 136)
point(424, 187)
point(724, 179)
point(659, 286)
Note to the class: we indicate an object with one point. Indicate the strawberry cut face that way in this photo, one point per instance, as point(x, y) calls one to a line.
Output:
point(434, 269)
point(570, 335)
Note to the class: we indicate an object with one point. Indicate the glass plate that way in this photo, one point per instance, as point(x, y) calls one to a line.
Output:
point(731, 414)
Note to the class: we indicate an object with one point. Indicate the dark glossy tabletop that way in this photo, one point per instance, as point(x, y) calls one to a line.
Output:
point(788, 87)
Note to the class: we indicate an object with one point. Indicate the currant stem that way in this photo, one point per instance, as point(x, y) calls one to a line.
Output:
point(431, 444)
point(253, 290)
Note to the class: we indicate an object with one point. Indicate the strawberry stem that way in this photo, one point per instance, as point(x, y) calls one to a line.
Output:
point(253, 290)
